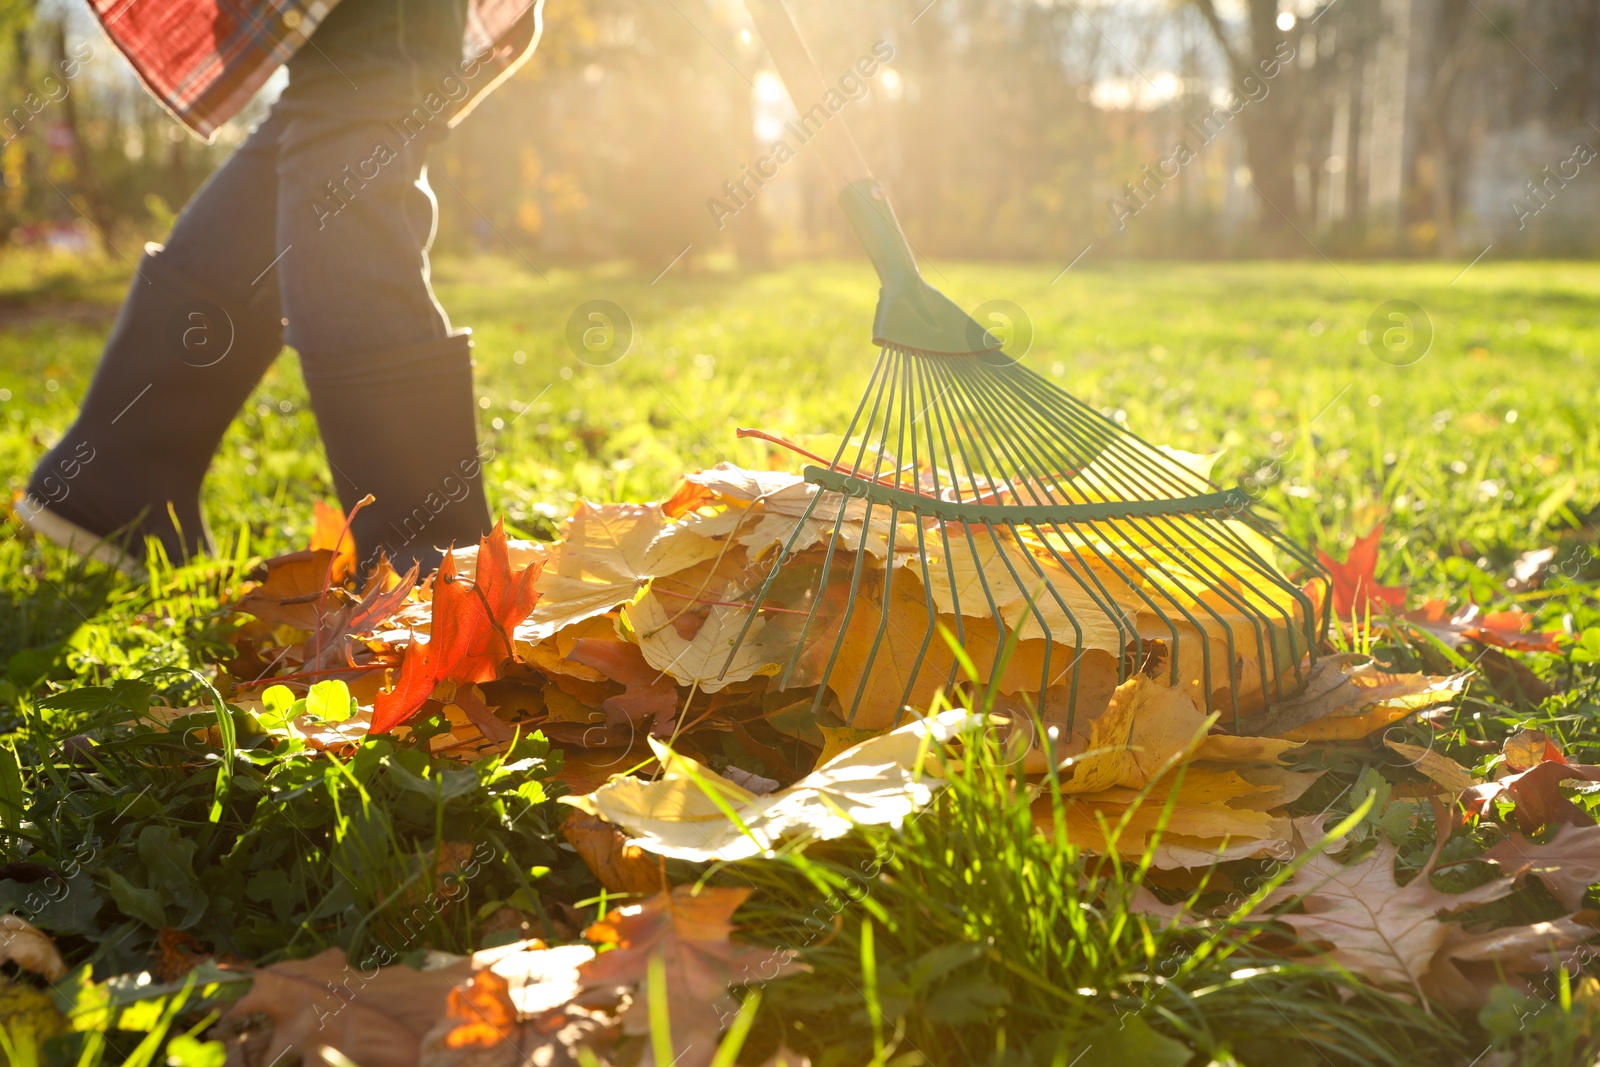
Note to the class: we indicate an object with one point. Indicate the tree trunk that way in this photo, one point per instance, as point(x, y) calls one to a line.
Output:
point(94, 203)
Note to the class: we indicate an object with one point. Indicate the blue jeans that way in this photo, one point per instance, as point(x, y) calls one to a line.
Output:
point(331, 189)
point(315, 232)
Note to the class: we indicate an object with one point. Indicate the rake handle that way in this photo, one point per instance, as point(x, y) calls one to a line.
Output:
point(806, 86)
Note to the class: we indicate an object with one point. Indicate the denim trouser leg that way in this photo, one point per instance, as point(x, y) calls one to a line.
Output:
point(323, 218)
point(392, 388)
point(190, 343)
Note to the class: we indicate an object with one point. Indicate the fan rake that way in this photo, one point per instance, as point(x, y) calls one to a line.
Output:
point(991, 524)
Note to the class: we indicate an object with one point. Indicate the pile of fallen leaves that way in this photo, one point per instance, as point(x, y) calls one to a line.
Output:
point(614, 641)
point(638, 620)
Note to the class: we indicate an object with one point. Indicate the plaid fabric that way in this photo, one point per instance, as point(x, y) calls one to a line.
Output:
point(204, 59)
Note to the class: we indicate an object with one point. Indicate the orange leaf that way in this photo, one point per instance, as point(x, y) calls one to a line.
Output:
point(1507, 629)
point(470, 638)
point(619, 866)
point(1356, 592)
point(329, 531)
point(482, 1012)
point(291, 591)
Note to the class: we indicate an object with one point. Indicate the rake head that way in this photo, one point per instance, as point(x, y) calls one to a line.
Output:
point(976, 525)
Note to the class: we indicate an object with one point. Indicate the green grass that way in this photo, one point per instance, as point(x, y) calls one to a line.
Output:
point(976, 940)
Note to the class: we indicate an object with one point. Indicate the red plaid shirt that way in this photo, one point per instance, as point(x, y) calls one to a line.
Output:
point(204, 59)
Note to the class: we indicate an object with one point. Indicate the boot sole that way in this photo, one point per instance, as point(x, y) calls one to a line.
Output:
point(74, 538)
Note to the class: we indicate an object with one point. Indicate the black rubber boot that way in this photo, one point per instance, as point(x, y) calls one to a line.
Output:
point(401, 425)
point(179, 363)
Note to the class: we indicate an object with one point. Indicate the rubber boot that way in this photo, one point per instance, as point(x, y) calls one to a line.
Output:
point(401, 426)
point(179, 363)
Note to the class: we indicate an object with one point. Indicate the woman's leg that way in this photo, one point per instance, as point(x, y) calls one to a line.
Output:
point(200, 326)
point(390, 383)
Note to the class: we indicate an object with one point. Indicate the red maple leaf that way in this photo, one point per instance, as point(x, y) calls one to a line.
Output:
point(471, 634)
point(1356, 592)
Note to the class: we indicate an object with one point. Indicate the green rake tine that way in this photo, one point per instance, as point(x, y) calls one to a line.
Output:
point(844, 625)
point(1154, 528)
point(879, 368)
point(888, 581)
point(983, 579)
point(766, 585)
point(944, 532)
point(975, 399)
point(1251, 614)
point(1116, 614)
point(883, 623)
point(1110, 607)
point(887, 383)
point(772, 575)
point(816, 603)
point(908, 432)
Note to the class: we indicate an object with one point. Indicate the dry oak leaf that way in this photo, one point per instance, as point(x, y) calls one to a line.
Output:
point(1567, 865)
point(376, 1018)
point(1347, 697)
point(30, 948)
point(1468, 966)
point(471, 633)
point(1378, 929)
point(880, 781)
point(689, 932)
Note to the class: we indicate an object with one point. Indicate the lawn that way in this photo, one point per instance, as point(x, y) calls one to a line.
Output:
point(1471, 453)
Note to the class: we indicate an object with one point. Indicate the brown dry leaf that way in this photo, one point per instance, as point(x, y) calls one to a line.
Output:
point(1537, 794)
point(376, 1019)
point(1146, 727)
point(1467, 967)
point(1212, 808)
point(703, 658)
point(30, 948)
point(1445, 772)
point(1348, 698)
point(619, 866)
point(837, 739)
point(1567, 865)
point(689, 932)
point(606, 553)
point(1526, 749)
point(292, 589)
point(1376, 928)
